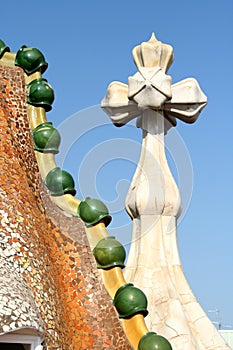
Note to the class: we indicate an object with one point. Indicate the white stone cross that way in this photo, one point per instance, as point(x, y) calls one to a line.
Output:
point(153, 200)
point(150, 88)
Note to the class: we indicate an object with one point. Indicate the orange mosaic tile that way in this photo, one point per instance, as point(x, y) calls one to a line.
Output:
point(46, 249)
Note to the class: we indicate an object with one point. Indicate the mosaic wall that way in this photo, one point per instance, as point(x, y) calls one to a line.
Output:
point(44, 250)
point(18, 308)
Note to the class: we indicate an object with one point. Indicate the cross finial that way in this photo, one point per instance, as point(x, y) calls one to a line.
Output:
point(153, 200)
point(150, 88)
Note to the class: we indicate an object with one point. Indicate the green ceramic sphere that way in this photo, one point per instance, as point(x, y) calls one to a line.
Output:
point(31, 60)
point(46, 138)
point(109, 253)
point(130, 301)
point(153, 341)
point(40, 94)
point(92, 211)
point(59, 182)
point(3, 48)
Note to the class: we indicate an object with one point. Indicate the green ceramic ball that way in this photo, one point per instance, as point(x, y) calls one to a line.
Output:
point(40, 94)
point(153, 341)
point(59, 182)
point(30, 60)
point(109, 253)
point(130, 301)
point(92, 211)
point(46, 138)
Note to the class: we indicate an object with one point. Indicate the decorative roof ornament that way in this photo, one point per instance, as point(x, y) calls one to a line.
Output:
point(46, 138)
point(130, 301)
point(153, 53)
point(154, 204)
point(153, 341)
point(3, 48)
point(109, 253)
point(151, 88)
point(40, 94)
point(92, 211)
point(31, 60)
point(60, 182)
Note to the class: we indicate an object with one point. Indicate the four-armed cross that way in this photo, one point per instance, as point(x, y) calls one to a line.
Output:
point(153, 199)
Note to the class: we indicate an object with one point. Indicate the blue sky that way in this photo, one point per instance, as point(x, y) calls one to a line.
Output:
point(87, 45)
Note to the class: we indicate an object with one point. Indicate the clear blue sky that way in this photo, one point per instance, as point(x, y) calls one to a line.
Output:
point(87, 45)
